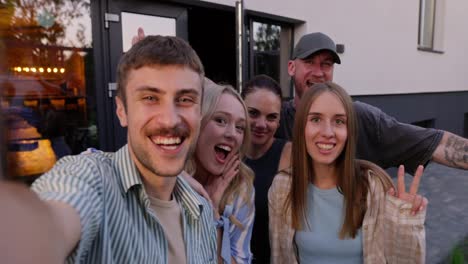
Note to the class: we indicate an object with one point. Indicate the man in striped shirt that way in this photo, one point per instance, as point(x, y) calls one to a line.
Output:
point(132, 206)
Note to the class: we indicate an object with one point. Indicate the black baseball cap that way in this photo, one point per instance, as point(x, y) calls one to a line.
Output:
point(314, 42)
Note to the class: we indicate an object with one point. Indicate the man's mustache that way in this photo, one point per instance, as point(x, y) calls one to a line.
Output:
point(179, 130)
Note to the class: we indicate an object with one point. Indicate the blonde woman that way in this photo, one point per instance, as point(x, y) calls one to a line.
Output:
point(223, 141)
point(330, 207)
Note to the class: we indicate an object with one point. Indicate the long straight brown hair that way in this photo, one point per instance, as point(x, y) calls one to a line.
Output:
point(351, 183)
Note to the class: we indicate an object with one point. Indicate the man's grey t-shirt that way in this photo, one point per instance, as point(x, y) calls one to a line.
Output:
point(382, 139)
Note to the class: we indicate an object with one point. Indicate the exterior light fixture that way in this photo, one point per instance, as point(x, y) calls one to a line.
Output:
point(38, 69)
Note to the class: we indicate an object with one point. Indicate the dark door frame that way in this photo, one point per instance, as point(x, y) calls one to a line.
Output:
point(107, 43)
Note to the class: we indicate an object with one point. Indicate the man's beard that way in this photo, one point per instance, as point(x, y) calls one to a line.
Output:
point(144, 158)
point(300, 88)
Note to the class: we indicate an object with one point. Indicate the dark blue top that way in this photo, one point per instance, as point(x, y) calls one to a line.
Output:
point(265, 169)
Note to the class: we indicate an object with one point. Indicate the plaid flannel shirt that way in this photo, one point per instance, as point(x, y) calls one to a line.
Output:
point(390, 233)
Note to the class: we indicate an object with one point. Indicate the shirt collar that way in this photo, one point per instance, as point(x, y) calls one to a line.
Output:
point(130, 176)
point(188, 197)
point(126, 169)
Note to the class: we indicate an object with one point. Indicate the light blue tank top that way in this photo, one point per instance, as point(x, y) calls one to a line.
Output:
point(319, 242)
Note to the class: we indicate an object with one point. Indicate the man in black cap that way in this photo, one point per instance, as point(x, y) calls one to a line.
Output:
point(382, 139)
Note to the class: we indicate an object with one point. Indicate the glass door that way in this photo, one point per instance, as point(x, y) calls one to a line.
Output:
point(124, 18)
point(47, 94)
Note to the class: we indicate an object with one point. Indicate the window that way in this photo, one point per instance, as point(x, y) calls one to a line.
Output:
point(45, 82)
point(426, 23)
point(431, 25)
point(270, 49)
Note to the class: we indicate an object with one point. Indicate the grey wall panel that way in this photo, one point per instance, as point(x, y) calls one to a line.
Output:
point(447, 109)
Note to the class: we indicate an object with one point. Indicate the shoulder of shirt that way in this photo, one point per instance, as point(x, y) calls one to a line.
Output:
point(378, 182)
point(239, 202)
point(243, 189)
point(367, 113)
point(188, 190)
point(87, 167)
point(364, 107)
point(82, 160)
point(281, 182)
point(195, 197)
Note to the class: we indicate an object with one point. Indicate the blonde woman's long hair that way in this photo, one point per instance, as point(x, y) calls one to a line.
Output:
point(211, 94)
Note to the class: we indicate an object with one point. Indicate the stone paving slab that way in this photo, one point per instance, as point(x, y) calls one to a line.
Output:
point(447, 213)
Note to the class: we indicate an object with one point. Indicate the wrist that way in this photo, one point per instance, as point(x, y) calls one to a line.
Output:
point(216, 215)
point(219, 223)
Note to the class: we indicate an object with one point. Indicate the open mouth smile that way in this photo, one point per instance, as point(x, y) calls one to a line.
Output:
point(168, 143)
point(222, 151)
point(325, 146)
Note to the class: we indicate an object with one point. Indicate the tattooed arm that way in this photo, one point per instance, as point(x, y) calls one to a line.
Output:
point(452, 151)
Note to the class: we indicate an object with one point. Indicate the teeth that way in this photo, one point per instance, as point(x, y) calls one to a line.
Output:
point(325, 146)
point(167, 140)
point(224, 147)
point(170, 147)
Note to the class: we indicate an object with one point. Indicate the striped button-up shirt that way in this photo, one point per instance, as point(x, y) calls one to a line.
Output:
point(117, 224)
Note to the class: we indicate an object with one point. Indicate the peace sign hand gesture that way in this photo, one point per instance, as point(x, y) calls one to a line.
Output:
point(419, 202)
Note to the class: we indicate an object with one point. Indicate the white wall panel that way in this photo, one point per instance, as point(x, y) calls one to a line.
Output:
point(380, 39)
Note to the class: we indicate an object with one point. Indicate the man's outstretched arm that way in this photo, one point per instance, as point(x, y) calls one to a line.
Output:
point(34, 231)
point(452, 151)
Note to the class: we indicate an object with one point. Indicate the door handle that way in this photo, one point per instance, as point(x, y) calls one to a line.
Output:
point(111, 87)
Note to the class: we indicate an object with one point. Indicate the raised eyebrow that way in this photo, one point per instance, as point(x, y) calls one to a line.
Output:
point(228, 114)
point(341, 115)
point(153, 89)
point(190, 91)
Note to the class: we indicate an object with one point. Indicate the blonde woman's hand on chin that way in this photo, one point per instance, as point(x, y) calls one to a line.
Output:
point(217, 185)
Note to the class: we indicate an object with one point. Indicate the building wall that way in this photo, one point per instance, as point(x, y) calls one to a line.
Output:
point(381, 64)
point(380, 39)
point(447, 111)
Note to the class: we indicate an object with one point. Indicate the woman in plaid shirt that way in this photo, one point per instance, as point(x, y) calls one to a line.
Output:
point(332, 208)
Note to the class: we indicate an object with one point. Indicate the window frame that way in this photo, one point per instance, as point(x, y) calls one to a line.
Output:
point(421, 27)
point(283, 22)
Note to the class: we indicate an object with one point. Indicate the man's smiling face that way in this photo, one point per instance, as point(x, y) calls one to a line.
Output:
point(162, 113)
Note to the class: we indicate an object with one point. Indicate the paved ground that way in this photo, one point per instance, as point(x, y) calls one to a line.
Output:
point(447, 216)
